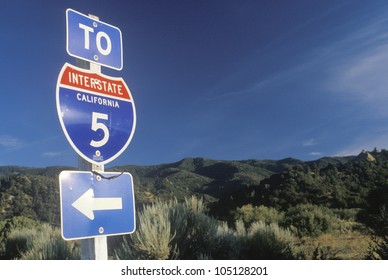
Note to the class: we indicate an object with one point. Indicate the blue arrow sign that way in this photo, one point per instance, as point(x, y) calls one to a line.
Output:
point(93, 40)
point(94, 205)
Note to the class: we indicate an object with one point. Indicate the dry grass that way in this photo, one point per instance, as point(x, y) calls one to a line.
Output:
point(343, 246)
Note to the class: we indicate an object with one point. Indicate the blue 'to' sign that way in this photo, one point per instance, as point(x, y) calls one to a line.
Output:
point(93, 40)
point(97, 113)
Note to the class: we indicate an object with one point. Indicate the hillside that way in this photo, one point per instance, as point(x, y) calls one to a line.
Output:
point(23, 191)
point(205, 177)
point(315, 201)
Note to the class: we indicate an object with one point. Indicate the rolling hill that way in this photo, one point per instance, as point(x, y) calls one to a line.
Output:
point(32, 191)
point(330, 205)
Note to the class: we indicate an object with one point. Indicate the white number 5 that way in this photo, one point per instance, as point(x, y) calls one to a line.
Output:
point(99, 125)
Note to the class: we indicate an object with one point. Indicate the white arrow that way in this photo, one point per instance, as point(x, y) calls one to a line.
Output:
point(87, 203)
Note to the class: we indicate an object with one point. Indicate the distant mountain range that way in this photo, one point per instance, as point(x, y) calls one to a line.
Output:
point(222, 184)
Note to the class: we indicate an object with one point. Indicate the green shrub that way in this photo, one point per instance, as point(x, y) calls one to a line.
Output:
point(378, 248)
point(9, 225)
point(153, 236)
point(262, 241)
point(39, 243)
point(195, 231)
point(227, 245)
point(172, 230)
point(250, 214)
point(311, 220)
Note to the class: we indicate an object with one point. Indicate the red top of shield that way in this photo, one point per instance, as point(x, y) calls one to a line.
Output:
point(94, 82)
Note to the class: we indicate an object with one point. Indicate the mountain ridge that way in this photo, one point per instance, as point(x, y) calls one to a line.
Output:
point(216, 181)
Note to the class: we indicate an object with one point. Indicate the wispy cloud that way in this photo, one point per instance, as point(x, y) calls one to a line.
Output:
point(10, 142)
point(52, 154)
point(365, 142)
point(365, 77)
point(315, 154)
point(309, 142)
point(261, 85)
point(360, 74)
point(309, 59)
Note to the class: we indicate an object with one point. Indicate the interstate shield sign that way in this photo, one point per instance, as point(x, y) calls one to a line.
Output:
point(97, 113)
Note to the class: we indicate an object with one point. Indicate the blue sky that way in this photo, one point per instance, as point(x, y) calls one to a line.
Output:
point(219, 79)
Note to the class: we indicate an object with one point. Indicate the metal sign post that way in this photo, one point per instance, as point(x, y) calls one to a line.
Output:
point(92, 248)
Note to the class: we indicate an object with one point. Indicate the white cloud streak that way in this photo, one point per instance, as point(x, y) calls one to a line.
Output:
point(369, 142)
point(52, 154)
point(360, 74)
point(309, 142)
point(10, 142)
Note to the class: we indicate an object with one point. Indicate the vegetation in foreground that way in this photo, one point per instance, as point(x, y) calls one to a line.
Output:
point(333, 208)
